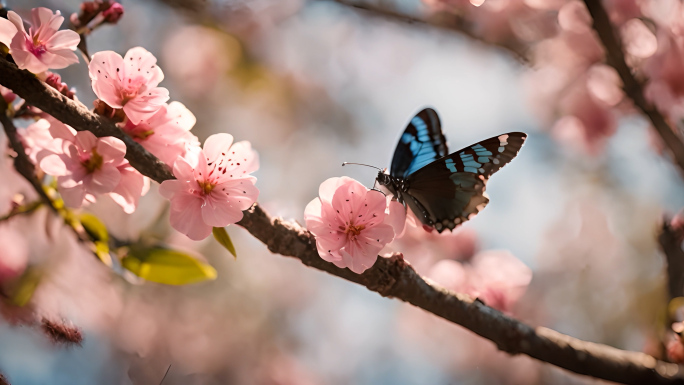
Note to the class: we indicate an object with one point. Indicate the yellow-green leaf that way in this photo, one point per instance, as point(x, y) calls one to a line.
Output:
point(22, 293)
point(102, 252)
point(223, 238)
point(170, 267)
point(94, 226)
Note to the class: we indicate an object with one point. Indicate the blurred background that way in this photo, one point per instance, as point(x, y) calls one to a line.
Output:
point(312, 84)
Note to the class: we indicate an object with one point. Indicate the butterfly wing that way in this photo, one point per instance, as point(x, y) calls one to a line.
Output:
point(451, 190)
point(421, 143)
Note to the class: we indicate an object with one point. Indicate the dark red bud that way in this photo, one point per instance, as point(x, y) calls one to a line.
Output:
point(113, 13)
point(55, 81)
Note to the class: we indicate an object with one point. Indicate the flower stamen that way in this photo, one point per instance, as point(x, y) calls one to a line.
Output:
point(93, 163)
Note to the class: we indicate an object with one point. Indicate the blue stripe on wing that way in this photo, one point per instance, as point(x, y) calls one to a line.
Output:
point(421, 143)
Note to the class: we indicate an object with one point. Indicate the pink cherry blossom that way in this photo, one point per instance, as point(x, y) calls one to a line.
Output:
point(129, 83)
point(639, 41)
point(351, 223)
point(167, 133)
point(44, 46)
point(496, 277)
point(86, 166)
point(52, 136)
point(213, 186)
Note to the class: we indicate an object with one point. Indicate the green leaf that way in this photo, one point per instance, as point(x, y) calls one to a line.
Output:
point(223, 238)
point(94, 226)
point(170, 267)
point(22, 293)
point(102, 252)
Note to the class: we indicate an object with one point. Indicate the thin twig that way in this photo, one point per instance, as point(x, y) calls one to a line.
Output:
point(22, 163)
point(390, 277)
point(615, 57)
point(165, 374)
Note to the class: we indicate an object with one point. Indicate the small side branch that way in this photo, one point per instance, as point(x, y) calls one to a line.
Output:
point(22, 163)
point(670, 240)
point(615, 57)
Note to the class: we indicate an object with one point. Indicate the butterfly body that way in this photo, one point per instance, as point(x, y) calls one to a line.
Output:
point(444, 190)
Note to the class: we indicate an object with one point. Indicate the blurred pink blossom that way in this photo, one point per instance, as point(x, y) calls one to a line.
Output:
point(638, 40)
point(44, 46)
point(7, 94)
point(574, 17)
point(129, 83)
point(213, 186)
point(675, 349)
point(167, 133)
point(13, 254)
point(665, 71)
point(84, 165)
point(677, 222)
point(588, 121)
point(496, 277)
point(423, 249)
point(36, 137)
point(351, 223)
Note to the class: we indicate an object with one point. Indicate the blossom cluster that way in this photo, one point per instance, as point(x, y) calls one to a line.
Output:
point(571, 88)
point(214, 183)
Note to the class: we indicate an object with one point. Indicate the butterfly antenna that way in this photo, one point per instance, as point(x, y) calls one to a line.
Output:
point(360, 164)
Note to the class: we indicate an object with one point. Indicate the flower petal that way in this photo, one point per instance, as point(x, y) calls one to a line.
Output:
point(73, 196)
point(146, 105)
point(187, 218)
point(220, 213)
point(140, 62)
point(130, 188)
point(63, 40)
point(103, 180)
point(111, 148)
point(217, 146)
point(396, 217)
point(7, 31)
point(105, 70)
point(85, 140)
point(52, 164)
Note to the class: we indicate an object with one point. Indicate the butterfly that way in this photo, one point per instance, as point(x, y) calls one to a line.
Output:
point(444, 190)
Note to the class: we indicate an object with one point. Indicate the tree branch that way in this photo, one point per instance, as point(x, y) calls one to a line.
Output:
point(615, 58)
point(670, 240)
point(444, 21)
point(390, 277)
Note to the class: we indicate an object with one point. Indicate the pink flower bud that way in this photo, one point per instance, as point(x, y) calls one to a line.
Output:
point(113, 13)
